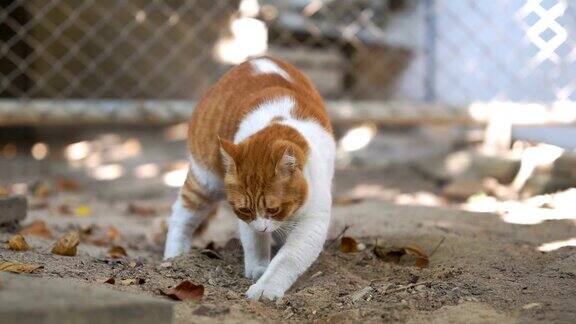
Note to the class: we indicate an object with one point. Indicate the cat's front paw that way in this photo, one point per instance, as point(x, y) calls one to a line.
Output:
point(267, 291)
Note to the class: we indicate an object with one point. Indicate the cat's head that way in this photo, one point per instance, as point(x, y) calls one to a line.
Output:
point(264, 183)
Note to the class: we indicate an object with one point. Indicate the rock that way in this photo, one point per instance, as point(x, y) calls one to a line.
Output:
point(462, 188)
point(470, 164)
point(565, 165)
point(35, 300)
point(13, 209)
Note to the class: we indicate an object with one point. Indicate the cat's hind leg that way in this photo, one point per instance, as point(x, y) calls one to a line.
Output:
point(190, 210)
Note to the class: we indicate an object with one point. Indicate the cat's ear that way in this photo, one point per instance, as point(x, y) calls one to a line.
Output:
point(229, 153)
point(287, 163)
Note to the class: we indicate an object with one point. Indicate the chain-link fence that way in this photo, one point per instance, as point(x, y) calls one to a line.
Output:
point(439, 51)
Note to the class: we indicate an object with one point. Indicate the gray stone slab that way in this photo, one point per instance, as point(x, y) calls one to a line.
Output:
point(13, 209)
point(25, 299)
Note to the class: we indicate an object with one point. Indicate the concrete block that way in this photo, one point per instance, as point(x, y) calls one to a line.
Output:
point(12, 209)
point(25, 299)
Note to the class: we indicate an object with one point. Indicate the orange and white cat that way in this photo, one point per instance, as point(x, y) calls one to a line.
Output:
point(260, 138)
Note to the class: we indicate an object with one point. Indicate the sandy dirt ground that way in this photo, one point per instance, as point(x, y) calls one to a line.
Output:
point(485, 270)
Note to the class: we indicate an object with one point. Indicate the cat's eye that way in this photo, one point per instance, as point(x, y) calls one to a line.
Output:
point(244, 211)
point(273, 211)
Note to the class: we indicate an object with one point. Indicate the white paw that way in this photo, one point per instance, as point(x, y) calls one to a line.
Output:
point(268, 291)
point(175, 248)
point(255, 270)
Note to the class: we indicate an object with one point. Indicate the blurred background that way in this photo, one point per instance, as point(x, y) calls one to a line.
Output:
point(467, 104)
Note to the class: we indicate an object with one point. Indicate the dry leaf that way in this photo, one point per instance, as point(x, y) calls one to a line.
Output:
point(83, 211)
point(37, 205)
point(416, 250)
point(113, 233)
point(421, 256)
point(348, 245)
point(110, 280)
point(394, 255)
point(99, 242)
point(67, 185)
point(67, 244)
point(134, 209)
point(37, 228)
point(132, 281)
point(421, 263)
point(41, 190)
point(18, 267)
point(64, 209)
point(117, 252)
point(87, 229)
point(185, 290)
point(4, 192)
point(347, 200)
point(18, 243)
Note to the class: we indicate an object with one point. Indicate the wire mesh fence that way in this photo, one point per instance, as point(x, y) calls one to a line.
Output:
point(439, 51)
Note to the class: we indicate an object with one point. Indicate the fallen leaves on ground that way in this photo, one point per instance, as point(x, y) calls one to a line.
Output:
point(4, 192)
point(135, 209)
point(64, 209)
point(117, 252)
point(421, 256)
point(41, 190)
point(113, 233)
point(64, 184)
point(86, 229)
point(185, 290)
point(18, 267)
point(67, 244)
point(347, 200)
point(132, 281)
point(348, 245)
point(110, 281)
point(37, 228)
point(18, 243)
point(37, 205)
point(412, 253)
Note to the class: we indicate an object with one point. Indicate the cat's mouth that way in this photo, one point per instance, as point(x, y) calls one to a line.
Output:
point(263, 225)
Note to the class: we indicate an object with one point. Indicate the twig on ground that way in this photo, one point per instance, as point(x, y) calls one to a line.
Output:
point(316, 274)
point(346, 227)
point(388, 292)
point(437, 246)
point(360, 294)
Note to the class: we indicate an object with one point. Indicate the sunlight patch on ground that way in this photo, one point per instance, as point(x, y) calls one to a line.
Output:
point(129, 149)
point(551, 246)
point(175, 178)
point(77, 151)
point(530, 211)
point(178, 132)
point(108, 172)
point(39, 151)
point(358, 138)
point(148, 170)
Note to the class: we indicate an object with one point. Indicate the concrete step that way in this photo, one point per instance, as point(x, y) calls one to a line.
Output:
point(25, 299)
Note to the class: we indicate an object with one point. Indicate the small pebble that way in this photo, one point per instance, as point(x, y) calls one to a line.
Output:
point(165, 265)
